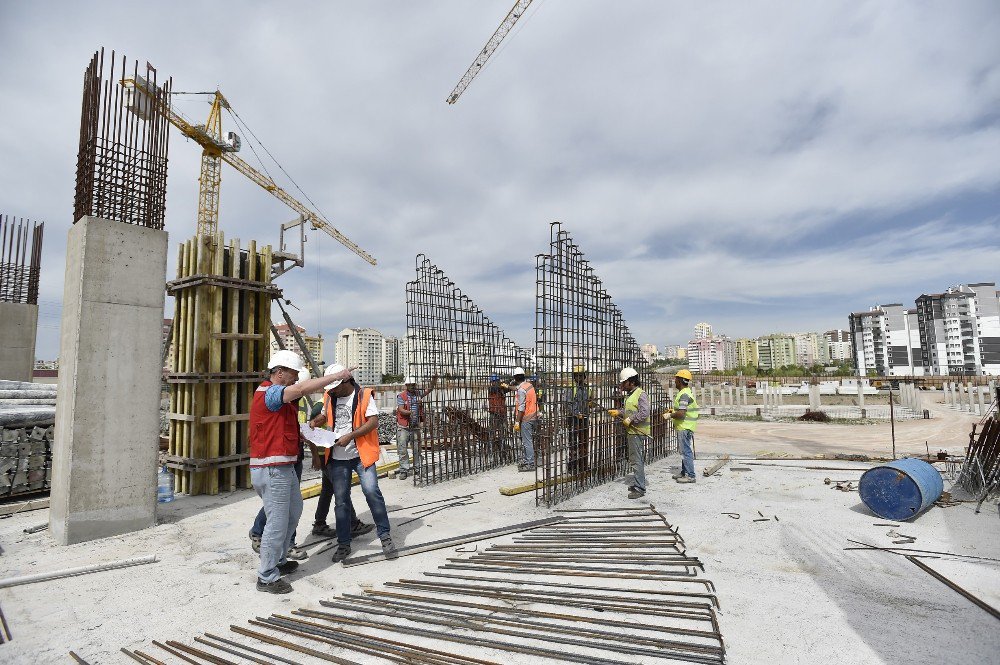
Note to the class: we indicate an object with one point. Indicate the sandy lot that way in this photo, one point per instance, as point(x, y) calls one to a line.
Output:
point(789, 592)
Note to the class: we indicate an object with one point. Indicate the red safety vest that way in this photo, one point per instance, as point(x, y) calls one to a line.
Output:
point(274, 435)
point(404, 421)
point(368, 448)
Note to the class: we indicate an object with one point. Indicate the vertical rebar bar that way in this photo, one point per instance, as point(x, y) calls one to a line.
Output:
point(20, 259)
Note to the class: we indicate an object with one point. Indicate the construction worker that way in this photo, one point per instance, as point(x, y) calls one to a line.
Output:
point(525, 418)
point(274, 450)
point(496, 408)
point(685, 417)
point(352, 415)
point(409, 417)
point(577, 400)
point(635, 418)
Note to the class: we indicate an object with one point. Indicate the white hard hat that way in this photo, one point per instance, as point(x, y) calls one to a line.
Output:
point(518, 371)
point(333, 369)
point(408, 380)
point(626, 374)
point(288, 359)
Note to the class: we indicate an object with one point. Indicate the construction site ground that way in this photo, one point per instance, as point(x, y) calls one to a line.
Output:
point(789, 592)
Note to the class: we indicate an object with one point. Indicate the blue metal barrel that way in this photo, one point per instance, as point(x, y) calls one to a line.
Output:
point(900, 490)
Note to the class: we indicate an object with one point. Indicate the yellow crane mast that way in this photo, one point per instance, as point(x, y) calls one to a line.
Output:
point(215, 150)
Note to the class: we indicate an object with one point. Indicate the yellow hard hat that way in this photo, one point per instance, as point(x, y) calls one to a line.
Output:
point(579, 369)
point(684, 374)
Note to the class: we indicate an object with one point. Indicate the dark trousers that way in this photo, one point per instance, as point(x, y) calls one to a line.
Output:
point(579, 443)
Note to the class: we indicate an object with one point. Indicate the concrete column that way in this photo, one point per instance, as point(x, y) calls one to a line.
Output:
point(814, 401)
point(980, 399)
point(18, 326)
point(861, 394)
point(107, 414)
point(764, 385)
point(780, 395)
point(969, 397)
point(745, 396)
point(953, 389)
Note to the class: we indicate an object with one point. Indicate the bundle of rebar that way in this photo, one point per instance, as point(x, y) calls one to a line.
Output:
point(640, 598)
point(980, 474)
point(121, 170)
point(220, 347)
point(20, 259)
point(580, 331)
point(466, 428)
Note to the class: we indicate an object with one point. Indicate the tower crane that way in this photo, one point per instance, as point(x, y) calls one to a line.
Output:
point(215, 150)
point(516, 12)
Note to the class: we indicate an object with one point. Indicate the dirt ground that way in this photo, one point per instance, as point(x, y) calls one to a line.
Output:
point(789, 592)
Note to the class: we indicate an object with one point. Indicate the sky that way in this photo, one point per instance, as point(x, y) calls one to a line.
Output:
point(764, 166)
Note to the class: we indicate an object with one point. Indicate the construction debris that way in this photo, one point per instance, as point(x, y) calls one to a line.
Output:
point(712, 470)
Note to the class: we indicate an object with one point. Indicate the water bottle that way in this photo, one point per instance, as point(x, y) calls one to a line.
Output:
point(164, 486)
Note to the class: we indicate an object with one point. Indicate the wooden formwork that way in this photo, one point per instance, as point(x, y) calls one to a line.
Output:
point(222, 319)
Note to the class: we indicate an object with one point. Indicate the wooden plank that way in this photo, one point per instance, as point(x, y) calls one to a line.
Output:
point(228, 418)
point(382, 471)
point(23, 506)
point(457, 540)
point(237, 336)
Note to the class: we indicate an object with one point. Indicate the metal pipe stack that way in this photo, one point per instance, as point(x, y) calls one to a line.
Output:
point(27, 419)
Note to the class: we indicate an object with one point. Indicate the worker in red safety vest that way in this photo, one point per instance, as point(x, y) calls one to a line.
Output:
point(274, 450)
point(409, 417)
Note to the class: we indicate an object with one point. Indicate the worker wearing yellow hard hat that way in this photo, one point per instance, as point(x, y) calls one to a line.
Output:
point(685, 417)
point(577, 398)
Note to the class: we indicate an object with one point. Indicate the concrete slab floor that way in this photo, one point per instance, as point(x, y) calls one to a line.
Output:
point(788, 590)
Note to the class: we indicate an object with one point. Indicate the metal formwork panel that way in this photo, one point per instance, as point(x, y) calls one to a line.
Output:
point(449, 337)
point(577, 324)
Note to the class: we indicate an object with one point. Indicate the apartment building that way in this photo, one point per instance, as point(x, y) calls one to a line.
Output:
point(711, 354)
point(776, 351)
point(839, 343)
point(703, 331)
point(314, 343)
point(649, 352)
point(959, 330)
point(675, 352)
point(747, 352)
point(886, 341)
point(394, 355)
point(364, 348)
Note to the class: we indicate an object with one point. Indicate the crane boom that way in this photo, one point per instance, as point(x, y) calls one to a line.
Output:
point(516, 12)
point(214, 149)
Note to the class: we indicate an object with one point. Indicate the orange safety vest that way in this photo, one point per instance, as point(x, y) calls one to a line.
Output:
point(368, 448)
point(530, 400)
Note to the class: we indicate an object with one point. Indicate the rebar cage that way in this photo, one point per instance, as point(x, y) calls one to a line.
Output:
point(121, 170)
point(578, 327)
point(20, 259)
point(467, 418)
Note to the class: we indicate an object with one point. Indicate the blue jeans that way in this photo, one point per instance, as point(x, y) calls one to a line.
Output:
point(406, 437)
point(257, 530)
point(340, 473)
point(527, 441)
point(685, 440)
point(637, 460)
point(278, 486)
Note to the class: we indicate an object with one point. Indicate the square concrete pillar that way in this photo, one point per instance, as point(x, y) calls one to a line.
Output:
point(814, 401)
point(18, 326)
point(108, 404)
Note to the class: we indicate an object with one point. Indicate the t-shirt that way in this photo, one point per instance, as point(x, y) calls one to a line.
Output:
point(344, 423)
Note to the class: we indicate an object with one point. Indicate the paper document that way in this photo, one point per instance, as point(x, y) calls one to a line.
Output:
point(323, 438)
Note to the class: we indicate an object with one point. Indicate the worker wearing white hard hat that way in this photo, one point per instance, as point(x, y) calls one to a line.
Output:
point(638, 428)
point(274, 451)
point(525, 418)
point(409, 416)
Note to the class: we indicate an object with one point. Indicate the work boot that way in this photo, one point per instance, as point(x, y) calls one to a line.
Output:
point(343, 551)
point(255, 543)
point(359, 528)
point(679, 474)
point(277, 586)
point(324, 530)
point(686, 479)
point(636, 493)
point(388, 548)
point(287, 567)
point(297, 553)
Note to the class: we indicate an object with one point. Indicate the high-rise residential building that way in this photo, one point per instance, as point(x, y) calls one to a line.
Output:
point(314, 344)
point(959, 330)
point(675, 352)
point(711, 354)
point(840, 345)
point(886, 341)
point(776, 351)
point(168, 344)
point(363, 348)
point(811, 349)
point(703, 330)
point(649, 352)
point(747, 352)
point(394, 356)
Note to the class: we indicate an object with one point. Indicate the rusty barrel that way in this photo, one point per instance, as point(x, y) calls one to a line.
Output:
point(902, 489)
